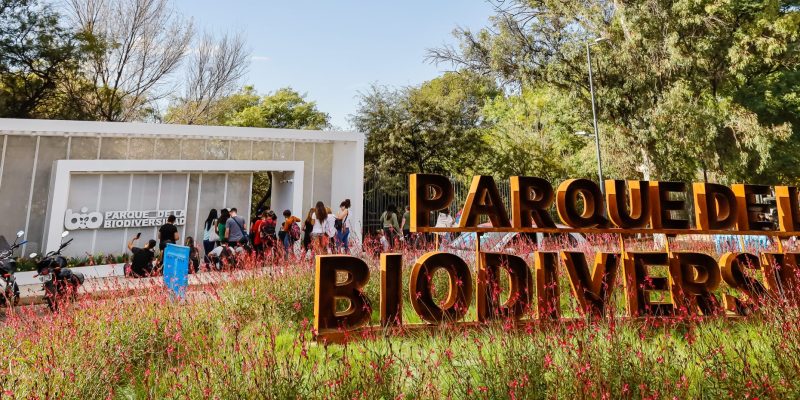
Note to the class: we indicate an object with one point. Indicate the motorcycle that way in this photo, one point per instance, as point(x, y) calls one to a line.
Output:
point(8, 266)
point(58, 281)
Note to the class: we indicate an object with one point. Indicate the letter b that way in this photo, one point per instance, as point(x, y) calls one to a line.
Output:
point(327, 290)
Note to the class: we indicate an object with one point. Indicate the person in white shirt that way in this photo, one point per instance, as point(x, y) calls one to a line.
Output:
point(444, 220)
point(330, 229)
point(318, 232)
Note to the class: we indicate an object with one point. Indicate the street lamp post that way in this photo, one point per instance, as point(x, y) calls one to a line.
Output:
point(594, 112)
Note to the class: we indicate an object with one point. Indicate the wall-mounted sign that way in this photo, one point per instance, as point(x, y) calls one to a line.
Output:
point(119, 219)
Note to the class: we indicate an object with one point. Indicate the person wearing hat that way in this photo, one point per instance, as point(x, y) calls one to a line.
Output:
point(142, 258)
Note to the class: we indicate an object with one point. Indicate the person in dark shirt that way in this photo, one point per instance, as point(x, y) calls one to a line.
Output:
point(194, 256)
point(308, 226)
point(168, 233)
point(142, 258)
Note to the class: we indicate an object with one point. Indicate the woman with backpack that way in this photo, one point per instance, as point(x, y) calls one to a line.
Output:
point(290, 232)
point(255, 233)
point(267, 234)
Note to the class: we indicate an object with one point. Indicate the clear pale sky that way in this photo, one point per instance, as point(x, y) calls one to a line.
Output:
point(331, 50)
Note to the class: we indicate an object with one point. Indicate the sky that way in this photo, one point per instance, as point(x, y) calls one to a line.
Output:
point(331, 50)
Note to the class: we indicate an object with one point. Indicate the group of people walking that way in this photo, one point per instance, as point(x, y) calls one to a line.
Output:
point(326, 232)
point(268, 236)
point(271, 237)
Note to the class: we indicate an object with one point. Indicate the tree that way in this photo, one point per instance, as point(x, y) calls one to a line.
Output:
point(533, 134)
point(700, 60)
point(137, 46)
point(213, 71)
point(436, 127)
point(36, 53)
point(285, 108)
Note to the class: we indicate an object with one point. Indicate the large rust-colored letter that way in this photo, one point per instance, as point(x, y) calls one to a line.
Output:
point(733, 266)
point(428, 193)
point(639, 284)
point(592, 289)
point(327, 290)
point(693, 276)
point(547, 291)
point(484, 199)
point(788, 210)
point(567, 204)
point(391, 289)
point(520, 290)
point(633, 212)
point(749, 208)
point(662, 207)
point(459, 294)
point(530, 199)
point(715, 206)
point(781, 274)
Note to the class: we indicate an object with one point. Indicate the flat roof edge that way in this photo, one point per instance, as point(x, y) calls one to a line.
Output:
point(39, 126)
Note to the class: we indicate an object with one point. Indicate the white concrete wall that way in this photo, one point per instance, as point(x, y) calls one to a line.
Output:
point(78, 183)
point(348, 180)
point(332, 164)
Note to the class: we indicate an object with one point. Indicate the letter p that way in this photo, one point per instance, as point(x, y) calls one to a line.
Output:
point(428, 193)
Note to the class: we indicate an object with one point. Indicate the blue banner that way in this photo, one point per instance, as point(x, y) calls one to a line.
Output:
point(176, 269)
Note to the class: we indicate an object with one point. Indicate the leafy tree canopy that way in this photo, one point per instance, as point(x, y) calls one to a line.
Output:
point(684, 89)
point(37, 55)
point(436, 127)
point(284, 108)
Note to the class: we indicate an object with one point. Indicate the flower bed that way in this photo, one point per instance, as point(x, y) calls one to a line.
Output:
point(251, 337)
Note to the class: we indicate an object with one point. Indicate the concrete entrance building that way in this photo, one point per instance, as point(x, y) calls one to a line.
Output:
point(106, 181)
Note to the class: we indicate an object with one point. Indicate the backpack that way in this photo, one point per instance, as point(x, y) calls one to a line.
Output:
point(294, 231)
point(267, 229)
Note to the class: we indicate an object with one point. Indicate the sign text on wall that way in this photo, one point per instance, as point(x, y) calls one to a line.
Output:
point(120, 219)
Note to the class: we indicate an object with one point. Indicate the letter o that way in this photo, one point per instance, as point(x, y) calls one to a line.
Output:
point(459, 295)
point(567, 204)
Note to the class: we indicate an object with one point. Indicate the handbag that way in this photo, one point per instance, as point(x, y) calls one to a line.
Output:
point(339, 224)
point(212, 234)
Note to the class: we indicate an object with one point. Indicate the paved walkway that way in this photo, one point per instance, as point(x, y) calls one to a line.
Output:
point(119, 285)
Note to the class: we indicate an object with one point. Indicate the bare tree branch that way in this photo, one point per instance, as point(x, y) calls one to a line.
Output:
point(139, 45)
point(213, 72)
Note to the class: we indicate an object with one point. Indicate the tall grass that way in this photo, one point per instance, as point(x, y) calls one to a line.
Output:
point(252, 338)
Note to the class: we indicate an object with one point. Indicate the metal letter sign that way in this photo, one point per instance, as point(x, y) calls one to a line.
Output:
point(176, 269)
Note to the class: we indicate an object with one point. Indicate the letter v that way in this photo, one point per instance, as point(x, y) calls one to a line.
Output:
point(592, 289)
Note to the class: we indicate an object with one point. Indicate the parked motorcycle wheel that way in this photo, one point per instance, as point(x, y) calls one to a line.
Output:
point(51, 296)
point(11, 296)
